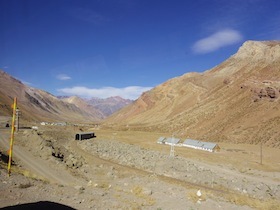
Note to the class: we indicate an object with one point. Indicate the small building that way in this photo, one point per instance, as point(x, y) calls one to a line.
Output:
point(85, 135)
point(207, 146)
point(34, 127)
point(171, 140)
point(60, 123)
point(161, 140)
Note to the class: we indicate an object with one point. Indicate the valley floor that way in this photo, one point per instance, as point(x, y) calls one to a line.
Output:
point(129, 170)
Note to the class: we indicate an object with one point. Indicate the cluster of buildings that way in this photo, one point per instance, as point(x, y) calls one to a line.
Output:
point(195, 144)
point(54, 123)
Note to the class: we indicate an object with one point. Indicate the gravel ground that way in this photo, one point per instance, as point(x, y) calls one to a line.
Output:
point(183, 169)
point(116, 175)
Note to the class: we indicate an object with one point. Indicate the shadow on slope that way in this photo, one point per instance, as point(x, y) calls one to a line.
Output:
point(4, 158)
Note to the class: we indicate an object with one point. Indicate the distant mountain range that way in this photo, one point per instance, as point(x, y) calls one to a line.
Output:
point(106, 106)
point(36, 104)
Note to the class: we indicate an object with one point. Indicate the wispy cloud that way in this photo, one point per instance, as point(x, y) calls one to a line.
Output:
point(217, 40)
point(63, 77)
point(130, 92)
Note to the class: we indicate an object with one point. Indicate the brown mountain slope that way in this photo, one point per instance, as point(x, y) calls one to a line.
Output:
point(236, 101)
point(36, 104)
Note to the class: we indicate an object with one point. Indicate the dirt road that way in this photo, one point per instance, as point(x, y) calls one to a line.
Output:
point(37, 166)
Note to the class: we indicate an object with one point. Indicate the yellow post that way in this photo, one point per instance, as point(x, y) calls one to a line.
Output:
point(12, 136)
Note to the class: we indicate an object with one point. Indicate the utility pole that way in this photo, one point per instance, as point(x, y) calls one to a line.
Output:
point(12, 136)
point(261, 152)
point(17, 120)
point(172, 151)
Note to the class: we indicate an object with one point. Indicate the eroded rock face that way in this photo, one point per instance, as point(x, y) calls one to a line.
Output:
point(74, 161)
point(272, 92)
point(59, 152)
point(71, 160)
point(266, 92)
point(262, 93)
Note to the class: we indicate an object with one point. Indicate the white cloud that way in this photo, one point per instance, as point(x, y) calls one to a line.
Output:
point(131, 92)
point(217, 40)
point(63, 77)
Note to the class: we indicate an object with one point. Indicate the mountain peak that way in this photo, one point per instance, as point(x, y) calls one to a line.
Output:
point(259, 50)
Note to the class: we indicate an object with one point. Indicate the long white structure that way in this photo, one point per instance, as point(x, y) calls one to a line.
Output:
point(195, 144)
point(207, 146)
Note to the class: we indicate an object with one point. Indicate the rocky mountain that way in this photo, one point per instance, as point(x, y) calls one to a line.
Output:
point(83, 105)
point(109, 105)
point(36, 104)
point(106, 106)
point(236, 101)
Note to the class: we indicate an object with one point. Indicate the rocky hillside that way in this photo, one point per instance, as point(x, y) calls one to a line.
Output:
point(236, 101)
point(36, 104)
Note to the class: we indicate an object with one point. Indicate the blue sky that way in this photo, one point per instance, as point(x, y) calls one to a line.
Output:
point(103, 48)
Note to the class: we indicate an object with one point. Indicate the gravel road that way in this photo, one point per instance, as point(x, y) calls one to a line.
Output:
point(40, 167)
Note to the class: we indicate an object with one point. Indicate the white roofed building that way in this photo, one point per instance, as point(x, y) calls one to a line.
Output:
point(161, 140)
point(207, 146)
point(171, 140)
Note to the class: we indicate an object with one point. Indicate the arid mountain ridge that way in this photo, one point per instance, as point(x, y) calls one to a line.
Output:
point(38, 105)
point(236, 101)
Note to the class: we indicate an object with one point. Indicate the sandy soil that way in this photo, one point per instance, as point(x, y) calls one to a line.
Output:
point(128, 170)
